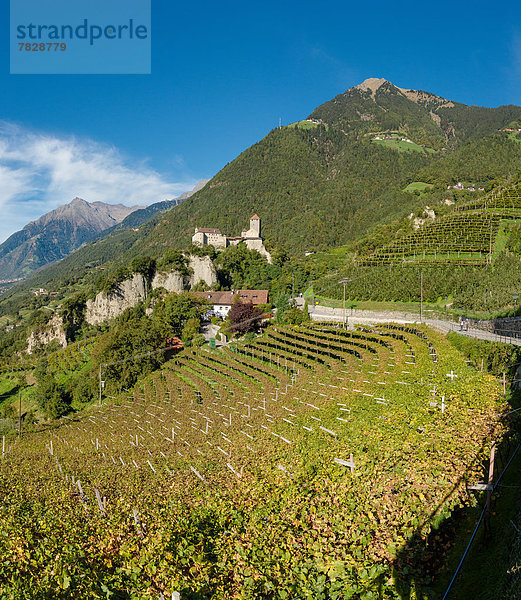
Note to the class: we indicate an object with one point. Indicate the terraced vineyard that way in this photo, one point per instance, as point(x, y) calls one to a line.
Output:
point(71, 358)
point(61, 362)
point(313, 463)
point(506, 202)
point(466, 236)
point(17, 366)
point(459, 238)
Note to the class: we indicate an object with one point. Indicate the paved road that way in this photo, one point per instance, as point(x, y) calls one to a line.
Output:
point(369, 317)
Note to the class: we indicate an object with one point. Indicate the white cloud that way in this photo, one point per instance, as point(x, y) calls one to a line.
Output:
point(39, 172)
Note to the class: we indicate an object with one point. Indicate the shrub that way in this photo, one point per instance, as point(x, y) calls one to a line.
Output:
point(244, 317)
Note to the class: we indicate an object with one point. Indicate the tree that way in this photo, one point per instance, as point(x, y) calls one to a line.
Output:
point(244, 317)
point(174, 260)
point(83, 389)
point(50, 396)
point(145, 265)
point(295, 316)
point(244, 268)
point(110, 282)
point(133, 333)
point(175, 310)
point(191, 329)
point(73, 314)
point(281, 303)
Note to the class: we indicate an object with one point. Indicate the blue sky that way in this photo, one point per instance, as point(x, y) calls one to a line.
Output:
point(222, 76)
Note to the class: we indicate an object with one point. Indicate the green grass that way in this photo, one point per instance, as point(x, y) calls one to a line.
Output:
point(413, 307)
point(514, 137)
point(335, 258)
point(400, 146)
point(430, 309)
point(6, 387)
point(339, 251)
point(305, 125)
point(502, 238)
point(418, 185)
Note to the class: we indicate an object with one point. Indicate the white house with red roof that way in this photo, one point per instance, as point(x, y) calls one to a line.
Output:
point(222, 301)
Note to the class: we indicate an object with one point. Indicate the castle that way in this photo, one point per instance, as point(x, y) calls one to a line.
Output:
point(251, 237)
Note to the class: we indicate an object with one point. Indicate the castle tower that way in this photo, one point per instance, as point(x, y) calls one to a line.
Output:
point(255, 226)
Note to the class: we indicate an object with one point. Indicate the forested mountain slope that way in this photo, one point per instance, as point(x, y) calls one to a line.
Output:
point(311, 187)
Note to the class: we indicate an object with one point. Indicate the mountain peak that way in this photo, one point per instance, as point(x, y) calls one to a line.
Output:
point(76, 202)
point(426, 99)
point(371, 84)
point(56, 234)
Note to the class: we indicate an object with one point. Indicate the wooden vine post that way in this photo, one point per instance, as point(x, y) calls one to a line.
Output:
point(490, 487)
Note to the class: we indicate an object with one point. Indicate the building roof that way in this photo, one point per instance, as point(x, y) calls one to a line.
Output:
point(256, 217)
point(216, 297)
point(228, 298)
point(253, 296)
point(207, 230)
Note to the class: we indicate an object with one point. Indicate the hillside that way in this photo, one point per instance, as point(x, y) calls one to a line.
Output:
point(327, 181)
point(312, 188)
point(303, 462)
point(318, 185)
point(56, 234)
point(315, 462)
point(472, 232)
point(106, 245)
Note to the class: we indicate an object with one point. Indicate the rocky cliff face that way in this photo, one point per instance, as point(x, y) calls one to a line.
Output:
point(172, 282)
point(53, 331)
point(127, 294)
point(132, 291)
point(203, 270)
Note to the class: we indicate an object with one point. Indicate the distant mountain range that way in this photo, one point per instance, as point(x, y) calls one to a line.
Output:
point(63, 230)
point(141, 215)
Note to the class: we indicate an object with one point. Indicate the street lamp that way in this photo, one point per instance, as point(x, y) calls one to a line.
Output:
point(515, 295)
point(344, 281)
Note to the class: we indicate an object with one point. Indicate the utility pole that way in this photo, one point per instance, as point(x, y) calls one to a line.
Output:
point(421, 296)
point(344, 281)
point(345, 316)
point(100, 385)
point(19, 414)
